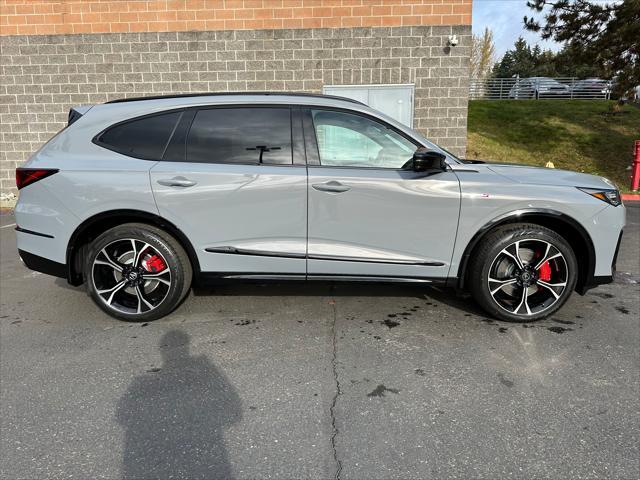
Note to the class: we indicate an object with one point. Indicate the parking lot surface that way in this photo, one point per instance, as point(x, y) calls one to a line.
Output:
point(318, 380)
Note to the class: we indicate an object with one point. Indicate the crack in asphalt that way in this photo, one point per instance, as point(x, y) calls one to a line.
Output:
point(338, 392)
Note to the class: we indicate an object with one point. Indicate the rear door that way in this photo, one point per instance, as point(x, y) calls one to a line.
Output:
point(369, 215)
point(233, 179)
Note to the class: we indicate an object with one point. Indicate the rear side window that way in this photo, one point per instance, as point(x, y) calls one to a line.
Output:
point(145, 137)
point(243, 135)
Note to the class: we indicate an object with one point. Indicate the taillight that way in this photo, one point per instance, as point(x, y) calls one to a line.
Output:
point(27, 176)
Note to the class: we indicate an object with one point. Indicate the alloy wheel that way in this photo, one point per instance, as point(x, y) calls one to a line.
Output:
point(527, 277)
point(131, 276)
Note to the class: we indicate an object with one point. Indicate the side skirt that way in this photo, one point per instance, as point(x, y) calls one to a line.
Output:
point(217, 278)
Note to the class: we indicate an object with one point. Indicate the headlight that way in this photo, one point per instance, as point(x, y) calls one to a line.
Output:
point(612, 197)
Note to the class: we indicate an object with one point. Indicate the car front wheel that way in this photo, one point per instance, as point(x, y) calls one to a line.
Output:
point(137, 272)
point(522, 272)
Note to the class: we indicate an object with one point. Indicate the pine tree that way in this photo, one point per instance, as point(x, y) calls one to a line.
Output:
point(517, 61)
point(604, 34)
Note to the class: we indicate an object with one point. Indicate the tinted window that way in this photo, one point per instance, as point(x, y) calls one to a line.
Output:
point(143, 138)
point(348, 140)
point(241, 135)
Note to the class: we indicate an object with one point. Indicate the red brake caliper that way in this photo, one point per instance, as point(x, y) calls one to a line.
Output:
point(154, 264)
point(544, 272)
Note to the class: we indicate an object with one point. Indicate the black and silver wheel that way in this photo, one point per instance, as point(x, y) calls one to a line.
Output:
point(137, 272)
point(522, 272)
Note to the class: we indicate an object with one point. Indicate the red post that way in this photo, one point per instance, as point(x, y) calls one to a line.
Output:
point(635, 169)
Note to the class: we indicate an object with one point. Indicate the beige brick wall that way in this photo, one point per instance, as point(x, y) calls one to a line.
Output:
point(46, 17)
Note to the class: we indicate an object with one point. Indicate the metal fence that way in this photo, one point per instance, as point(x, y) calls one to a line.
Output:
point(539, 87)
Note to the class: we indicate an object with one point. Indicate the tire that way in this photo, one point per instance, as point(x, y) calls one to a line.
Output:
point(148, 290)
point(512, 257)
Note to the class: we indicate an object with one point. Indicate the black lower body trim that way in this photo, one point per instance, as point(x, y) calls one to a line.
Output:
point(31, 232)
point(375, 278)
point(593, 282)
point(43, 265)
point(615, 255)
point(206, 278)
point(256, 253)
point(221, 278)
point(602, 280)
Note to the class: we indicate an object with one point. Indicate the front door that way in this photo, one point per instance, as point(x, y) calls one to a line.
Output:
point(369, 215)
point(234, 181)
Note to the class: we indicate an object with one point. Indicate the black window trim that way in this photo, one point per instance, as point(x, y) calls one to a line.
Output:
point(97, 141)
point(173, 131)
point(305, 140)
point(311, 141)
point(297, 137)
point(186, 118)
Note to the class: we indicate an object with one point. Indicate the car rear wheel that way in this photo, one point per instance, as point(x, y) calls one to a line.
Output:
point(522, 272)
point(137, 272)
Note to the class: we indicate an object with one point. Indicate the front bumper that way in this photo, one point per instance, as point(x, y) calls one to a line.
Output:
point(595, 281)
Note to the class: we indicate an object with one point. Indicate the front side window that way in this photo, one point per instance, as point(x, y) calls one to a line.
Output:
point(241, 135)
point(145, 137)
point(349, 140)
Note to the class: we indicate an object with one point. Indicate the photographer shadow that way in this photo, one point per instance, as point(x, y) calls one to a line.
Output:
point(175, 416)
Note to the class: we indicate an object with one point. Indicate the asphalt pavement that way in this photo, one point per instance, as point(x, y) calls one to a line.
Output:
point(318, 381)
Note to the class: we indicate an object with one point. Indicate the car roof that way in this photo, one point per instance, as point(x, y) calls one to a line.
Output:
point(294, 96)
point(100, 116)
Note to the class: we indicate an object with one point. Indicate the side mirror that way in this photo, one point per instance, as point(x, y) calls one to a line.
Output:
point(428, 160)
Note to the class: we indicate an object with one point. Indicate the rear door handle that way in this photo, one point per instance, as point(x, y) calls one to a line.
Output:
point(332, 186)
point(176, 182)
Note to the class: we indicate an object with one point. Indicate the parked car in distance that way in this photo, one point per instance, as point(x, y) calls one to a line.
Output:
point(591, 88)
point(141, 198)
point(538, 87)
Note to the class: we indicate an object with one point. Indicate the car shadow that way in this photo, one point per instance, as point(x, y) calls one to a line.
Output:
point(311, 288)
point(174, 416)
point(447, 296)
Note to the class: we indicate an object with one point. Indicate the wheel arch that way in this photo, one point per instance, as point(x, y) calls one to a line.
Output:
point(94, 226)
point(563, 224)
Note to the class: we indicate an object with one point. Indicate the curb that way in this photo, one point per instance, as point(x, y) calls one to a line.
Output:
point(630, 197)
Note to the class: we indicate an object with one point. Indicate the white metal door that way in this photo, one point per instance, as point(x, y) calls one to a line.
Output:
point(393, 100)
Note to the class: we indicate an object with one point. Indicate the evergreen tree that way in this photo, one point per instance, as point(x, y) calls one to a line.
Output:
point(606, 35)
point(517, 61)
point(525, 61)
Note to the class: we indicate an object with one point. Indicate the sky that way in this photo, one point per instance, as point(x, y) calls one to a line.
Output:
point(504, 17)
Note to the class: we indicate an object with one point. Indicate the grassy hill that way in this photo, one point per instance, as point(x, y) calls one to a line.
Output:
point(575, 135)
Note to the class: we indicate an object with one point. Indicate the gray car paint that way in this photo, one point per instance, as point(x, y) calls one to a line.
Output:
point(250, 207)
point(427, 220)
point(388, 216)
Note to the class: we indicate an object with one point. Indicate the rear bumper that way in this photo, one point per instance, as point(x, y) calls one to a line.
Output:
point(43, 265)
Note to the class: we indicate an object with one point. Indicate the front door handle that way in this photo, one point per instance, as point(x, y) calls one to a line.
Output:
point(332, 186)
point(176, 182)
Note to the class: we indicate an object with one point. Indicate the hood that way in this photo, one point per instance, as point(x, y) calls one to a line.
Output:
point(549, 176)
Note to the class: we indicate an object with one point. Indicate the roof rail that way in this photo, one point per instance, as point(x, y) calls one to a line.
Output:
point(220, 94)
